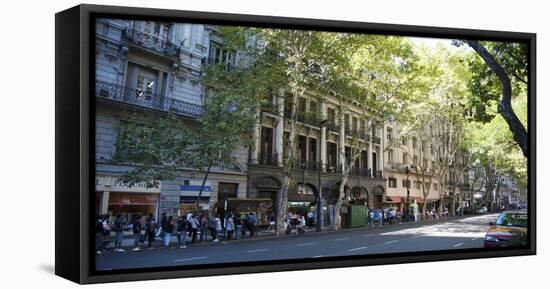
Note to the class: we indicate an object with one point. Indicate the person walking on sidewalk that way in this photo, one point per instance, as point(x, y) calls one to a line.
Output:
point(229, 227)
point(194, 224)
point(252, 222)
point(136, 228)
point(120, 223)
point(168, 231)
point(238, 227)
point(150, 228)
point(212, 227)
point(182, 231)
point(218, 225)
point(203, 221)
point(100, 233)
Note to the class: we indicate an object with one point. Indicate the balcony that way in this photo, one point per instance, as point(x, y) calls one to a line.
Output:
point(308, 165)
point(152, 43)
point(332, 126)
point(270, 108)
point(361, 172)
point(376, 140)
point(137, 97)
point(269, 159)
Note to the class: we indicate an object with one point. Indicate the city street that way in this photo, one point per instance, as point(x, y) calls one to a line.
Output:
point(446, 234)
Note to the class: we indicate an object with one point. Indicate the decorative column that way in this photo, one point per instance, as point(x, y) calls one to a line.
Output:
point(255, 148)
point(323, 140)
point(104, 203)
point(342, 141)
point(369, 149)
point(279, 129)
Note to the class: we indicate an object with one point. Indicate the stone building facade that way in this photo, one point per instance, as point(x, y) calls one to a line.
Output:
point(150, 67)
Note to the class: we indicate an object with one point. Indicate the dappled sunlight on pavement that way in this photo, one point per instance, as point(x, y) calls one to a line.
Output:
point(472, 227)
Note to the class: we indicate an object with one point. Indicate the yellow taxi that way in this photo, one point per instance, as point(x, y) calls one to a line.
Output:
point(509, 230)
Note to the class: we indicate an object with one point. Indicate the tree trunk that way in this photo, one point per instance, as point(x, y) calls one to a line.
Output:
point(202, 186)
point(338, 205)
point(505, 106)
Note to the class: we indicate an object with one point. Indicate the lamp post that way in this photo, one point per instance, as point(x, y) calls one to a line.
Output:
point(407, 174)
point(225, 213)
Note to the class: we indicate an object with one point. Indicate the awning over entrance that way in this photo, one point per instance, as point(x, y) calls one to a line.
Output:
point(398, 199)
point(393, 199)
point(122, 199)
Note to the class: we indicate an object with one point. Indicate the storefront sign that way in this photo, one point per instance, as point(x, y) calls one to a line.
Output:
point(194, 187)
point(113, 184)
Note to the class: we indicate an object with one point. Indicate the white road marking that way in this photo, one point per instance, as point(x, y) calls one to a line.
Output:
point(318, 256)
point(355, 249)
point(189, 259)
point(254, 251)
point(473, 239)
point(459, 244)
point(417, 236)
point(305, 244)
point(391, 242)
point(341, 239)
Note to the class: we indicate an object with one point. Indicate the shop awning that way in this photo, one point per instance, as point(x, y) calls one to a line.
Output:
point(123, 199)
point(393, 199)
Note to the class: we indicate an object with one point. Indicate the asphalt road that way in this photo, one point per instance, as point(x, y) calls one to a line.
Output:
point(441, 235)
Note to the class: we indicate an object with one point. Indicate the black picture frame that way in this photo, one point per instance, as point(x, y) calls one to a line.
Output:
point(74, 120)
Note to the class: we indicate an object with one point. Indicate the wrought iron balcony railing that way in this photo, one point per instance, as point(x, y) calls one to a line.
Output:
point(333, 126)
point(308, 165)
point(152, 42)
point(269, 159)
point(362, 172)
point(149, 100)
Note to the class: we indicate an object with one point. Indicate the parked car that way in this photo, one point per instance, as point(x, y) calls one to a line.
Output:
point(509, 230)
point(467, 210)
point(481, 210)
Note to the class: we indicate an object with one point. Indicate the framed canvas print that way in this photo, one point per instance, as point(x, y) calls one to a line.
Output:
point(194, 144)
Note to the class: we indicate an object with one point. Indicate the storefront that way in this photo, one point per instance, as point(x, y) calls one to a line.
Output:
point(114, 197)
point(189, 195)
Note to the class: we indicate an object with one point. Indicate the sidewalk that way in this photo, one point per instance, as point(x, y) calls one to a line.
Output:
point(128, 241)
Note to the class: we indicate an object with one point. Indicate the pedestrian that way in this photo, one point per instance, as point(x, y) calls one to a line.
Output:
point(194, 228)
point(182, 231)
point(168, 231)
point(370, 217)
point(310, 219)
point(120, 223)
point(203, 222)
point(99, 235)
point(218, 225)
point(252, 221)
point(271, 222)
point(150, 228)
point(229, 228)
point(238, 227)
point(136, 228)
point(302, 225)
point(212, 227)
point(160, 229)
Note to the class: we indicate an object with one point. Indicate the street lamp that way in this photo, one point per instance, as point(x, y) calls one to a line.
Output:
point(407, 174)
point(225, 212)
